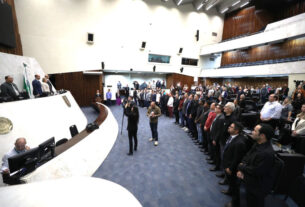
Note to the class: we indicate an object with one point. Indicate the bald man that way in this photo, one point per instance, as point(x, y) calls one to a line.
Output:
point(20, 147)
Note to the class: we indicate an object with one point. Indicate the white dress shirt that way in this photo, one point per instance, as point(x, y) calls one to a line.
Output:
point(271, 110)
point(45, 87)
point(11, 153)
point(158, 97)
point(170, 102)
point(299, 126)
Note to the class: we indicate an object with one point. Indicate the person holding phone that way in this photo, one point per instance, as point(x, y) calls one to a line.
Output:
point(132, 112)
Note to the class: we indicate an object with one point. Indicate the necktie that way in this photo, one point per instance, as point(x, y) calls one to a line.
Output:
point(227, 143)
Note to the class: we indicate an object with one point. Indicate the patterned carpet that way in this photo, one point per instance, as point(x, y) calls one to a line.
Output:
point(175, 173)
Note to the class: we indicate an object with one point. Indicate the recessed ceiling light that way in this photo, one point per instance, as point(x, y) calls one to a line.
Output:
point(244, 4)
point(236, 3)
point(200, 6)
point(224, 10)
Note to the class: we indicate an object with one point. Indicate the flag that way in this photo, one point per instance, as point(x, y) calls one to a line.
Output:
point(26, 83)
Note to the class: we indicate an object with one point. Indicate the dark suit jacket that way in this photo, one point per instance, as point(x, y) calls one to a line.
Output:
point(204, 117)
point(176, 104)
point(228, 121)
point(234, 153)
point(257, 167)
point(36, 87)
point(217, 128)
point(7, 90)
point(192, 109)
point(133, 118)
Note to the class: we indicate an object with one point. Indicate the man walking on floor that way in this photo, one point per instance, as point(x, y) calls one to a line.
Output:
point(153, 113)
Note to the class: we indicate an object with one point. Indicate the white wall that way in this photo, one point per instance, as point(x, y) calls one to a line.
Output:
point(40, 119)
point(55, 33)
point(205, 62)
point(292, 78)
point(13, 65)
point(125, 78)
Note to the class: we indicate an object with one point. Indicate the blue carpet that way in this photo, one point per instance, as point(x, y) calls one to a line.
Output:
point(175, 173)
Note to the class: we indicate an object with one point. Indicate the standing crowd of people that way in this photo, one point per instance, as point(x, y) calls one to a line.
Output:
point(211, 118)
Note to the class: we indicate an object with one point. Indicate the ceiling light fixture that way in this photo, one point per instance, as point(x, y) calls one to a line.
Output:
point(244, 4)
point(236, 3)
point(223, 11)
point(211, 5)
point(179, 2)
point(200, 6)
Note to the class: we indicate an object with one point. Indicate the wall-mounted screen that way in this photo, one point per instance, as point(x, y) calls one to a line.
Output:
point(158, 58)
point(7, 35)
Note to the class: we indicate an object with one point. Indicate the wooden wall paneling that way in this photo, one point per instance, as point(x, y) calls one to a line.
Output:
point(18, 49)
point(288, 11)
point(250, 81)
point(251, 19)
point(82, 87)
point(173, 79)
point(290, 48)
point(211, 81)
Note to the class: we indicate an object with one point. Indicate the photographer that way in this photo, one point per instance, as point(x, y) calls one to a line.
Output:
point(132, 112)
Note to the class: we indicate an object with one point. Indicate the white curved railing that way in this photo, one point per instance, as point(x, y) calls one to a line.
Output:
point(76, 191)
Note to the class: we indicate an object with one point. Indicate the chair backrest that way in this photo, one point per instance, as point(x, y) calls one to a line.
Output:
point(60, 142)
point(73, 130)
point(278, 166)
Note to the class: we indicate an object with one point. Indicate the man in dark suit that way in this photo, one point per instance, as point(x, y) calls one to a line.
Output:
point(10, 89)
point(256, 167)
point(37, 91)
point(127, 90)
point(229, 119)
point(234, 150)
point(216, 133)
point(189, 115)
point(132, 112)
point(202, 120)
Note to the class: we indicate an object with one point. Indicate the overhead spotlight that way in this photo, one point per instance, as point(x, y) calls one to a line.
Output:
point(236, 3)
point(103, 65)
point(181, 69)
point(244, 4)
point(179, 2)
point(131, 69)
point(154, 68)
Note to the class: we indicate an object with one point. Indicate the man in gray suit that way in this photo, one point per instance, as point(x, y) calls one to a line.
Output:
point(10, 89)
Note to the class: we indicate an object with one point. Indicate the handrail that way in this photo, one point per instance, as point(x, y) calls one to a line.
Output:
point(84, 133)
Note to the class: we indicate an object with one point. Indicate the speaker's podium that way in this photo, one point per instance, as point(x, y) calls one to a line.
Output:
point(294, 167)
